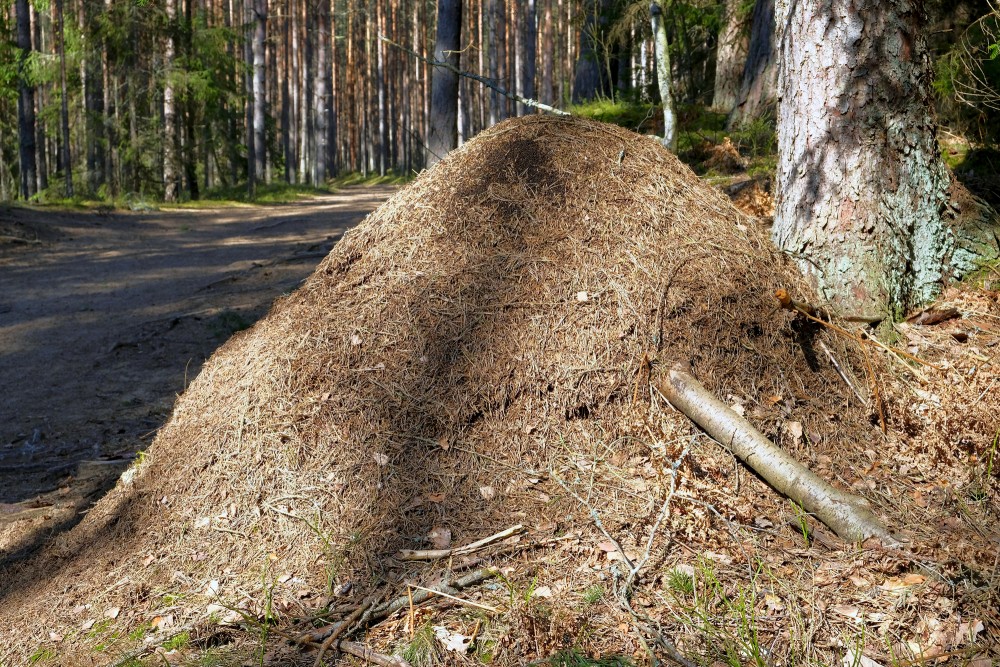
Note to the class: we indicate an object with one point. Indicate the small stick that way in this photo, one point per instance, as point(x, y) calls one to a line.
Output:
point(840, 371)
point(335, 635)
point(434, 554)
point(456, 599)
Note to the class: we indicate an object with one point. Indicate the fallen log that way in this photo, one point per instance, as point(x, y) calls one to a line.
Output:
point(846, 514)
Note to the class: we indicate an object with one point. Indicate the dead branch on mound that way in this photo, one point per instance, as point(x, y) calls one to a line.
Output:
point(344, 626)
point(846, 514)
point(435, 554)
point(489, 83)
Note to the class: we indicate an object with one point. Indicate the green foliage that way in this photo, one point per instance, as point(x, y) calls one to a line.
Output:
point(422, 651)
point(178, 641)
point(632, 115)
point(42, 654)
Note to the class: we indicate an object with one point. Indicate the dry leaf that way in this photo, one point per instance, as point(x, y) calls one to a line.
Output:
point(164, 622)
point(847, 610)
point(435, 497)
point(582, 296)
point(542, 592)
point(355, 339)
point(88, 624)
point(795, 429)
point(967, 631)
point(148, 560)
point(112, 612)
point(440, 537)
point(55, 636)
point(852, 659)
point(773, 602)
point(283, 578)
point(381, 459)
point(212, 589)
point(487, 492)
point(452, 641)
point(738, 409)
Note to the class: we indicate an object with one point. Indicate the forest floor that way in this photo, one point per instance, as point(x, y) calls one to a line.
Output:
point(105, 317)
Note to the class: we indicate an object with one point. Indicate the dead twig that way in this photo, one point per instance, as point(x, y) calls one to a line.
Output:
point(841, 373)
point(489, 83)
point(435, 554)
point(347, 623)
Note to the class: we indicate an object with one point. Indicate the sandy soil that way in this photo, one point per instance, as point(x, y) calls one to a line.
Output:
point(105, 317)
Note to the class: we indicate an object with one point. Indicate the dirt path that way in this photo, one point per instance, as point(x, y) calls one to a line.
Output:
point(103, 318)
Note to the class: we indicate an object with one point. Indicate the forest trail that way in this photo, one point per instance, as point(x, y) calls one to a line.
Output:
point(104, 318)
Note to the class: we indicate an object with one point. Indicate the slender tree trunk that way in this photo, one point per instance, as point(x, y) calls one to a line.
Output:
point(444, 84)
point(286, 76)
point(259, 96)
point(25, 103)
point(67, 161)
point(320, 97)
point(662, 49)
point(93, 96)
point(547, 94)
point(588, 79)
point(41, 143)
point(383, 140)
point(731, 56)
point(171, 179)
point(758, 93)
point(865, 203)
point(529, 42)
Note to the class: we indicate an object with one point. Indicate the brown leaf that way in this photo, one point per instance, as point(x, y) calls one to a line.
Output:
point(440, 537)
point(435, 497)
point(933, 315)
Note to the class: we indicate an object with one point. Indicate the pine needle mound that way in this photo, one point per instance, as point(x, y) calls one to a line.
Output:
point(477, 340)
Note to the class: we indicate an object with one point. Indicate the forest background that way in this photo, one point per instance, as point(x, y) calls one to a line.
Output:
point(129, 100)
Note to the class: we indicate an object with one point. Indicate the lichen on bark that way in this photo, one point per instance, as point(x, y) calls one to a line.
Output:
point(865, 203)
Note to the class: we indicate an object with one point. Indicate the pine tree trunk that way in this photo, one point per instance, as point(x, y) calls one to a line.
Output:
point(588, 81)
point(25, 102)
point(758, 90)
point(529, 49)
point(444, 82)
point(320, 98)
point(662, 50)
point(731, 54)
point(67, 160)
point(171, 179)
point(93, 97)
point(863, 196)
point(259, 96)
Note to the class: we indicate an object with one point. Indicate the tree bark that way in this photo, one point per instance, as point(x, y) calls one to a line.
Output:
point(171, 178)
point(444, 82)
point(67, 160)
point(320, 95)
point(529, 50)
point(588, 79)
point(662, 51)
point(731, 57)
point(757, 97)
point(259, 96)
point(865, 204)
point(25, 102)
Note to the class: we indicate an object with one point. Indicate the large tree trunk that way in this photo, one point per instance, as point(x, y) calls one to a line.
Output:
point(864, 199)
point(731, 55)
point(757, 96)
point(444, 82)
point(25, 102)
